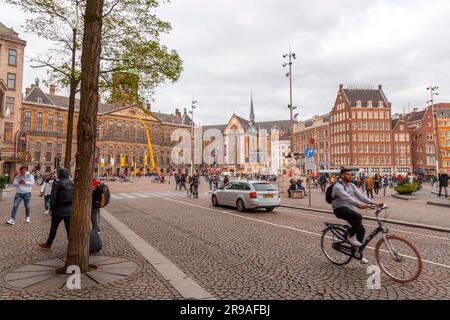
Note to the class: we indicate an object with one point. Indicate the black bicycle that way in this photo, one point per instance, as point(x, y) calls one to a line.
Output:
point(193, 192)
point(398, 258)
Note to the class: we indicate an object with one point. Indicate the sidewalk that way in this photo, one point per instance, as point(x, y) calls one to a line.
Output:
point(412, 211)
point(18, 247)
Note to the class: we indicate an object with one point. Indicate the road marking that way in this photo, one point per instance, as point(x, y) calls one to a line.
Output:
point(126, 195)
point(369, 225)
point(139, 195)
point(186, 286)
point(151, 194)
point(116, 197)
point(283, 226)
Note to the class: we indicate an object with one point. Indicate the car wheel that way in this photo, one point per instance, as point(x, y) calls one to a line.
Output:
point(214, 201)
point(269, 209)
point(240, 205)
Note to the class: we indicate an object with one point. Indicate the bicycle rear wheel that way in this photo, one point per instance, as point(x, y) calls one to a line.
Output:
point(333, 247)
point(402, 263)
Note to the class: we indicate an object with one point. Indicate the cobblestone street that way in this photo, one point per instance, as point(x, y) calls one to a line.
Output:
point(231, 255)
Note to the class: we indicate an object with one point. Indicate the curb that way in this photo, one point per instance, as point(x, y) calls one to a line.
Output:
point(402, 223)
point(187, 287)
point(397, 196)
point(439, 204)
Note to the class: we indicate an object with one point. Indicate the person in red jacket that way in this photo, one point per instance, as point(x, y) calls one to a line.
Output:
point(95, 213)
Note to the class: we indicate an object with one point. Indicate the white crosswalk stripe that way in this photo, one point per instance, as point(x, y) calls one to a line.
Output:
point(136, 195)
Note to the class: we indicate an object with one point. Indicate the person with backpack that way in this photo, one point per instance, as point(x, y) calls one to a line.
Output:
point(345, 197)
point(323, 182)
point(95, 213)
point(60, 206)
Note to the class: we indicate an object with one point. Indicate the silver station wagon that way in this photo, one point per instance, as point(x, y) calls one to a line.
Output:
point(247, 195)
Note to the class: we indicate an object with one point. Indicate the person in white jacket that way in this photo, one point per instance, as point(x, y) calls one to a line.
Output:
point(46, 190)
point(23, 182)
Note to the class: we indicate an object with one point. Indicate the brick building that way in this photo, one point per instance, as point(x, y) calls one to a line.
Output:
point(12, 141)
point(119, 133)
point(423, 142)
point(361, 130)
point(401, 145)
point(317, 128)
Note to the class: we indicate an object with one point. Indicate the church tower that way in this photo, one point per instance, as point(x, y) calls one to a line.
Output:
point(252, 112)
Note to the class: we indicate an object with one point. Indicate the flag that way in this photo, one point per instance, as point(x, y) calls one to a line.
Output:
point(122, 160)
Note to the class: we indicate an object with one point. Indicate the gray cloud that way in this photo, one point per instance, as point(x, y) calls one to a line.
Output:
point(231, 46)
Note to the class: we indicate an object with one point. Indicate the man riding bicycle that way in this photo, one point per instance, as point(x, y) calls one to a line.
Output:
point(345, 197)
point(193, 182)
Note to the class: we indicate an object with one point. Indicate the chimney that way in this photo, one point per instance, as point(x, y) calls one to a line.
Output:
point(52, 89)
point(341, 86)
point(27, 91)
point(177, 112)
point(380, 87)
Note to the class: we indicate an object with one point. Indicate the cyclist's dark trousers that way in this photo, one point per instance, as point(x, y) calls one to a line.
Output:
point(354, 219)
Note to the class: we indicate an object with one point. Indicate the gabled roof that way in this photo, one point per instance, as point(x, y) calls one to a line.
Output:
point(10, 34)
point(171, 118)
point(365, 95)
point(416, 115)
point(394, 122)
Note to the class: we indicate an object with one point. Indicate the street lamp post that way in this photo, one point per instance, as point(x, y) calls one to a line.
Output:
point(433, 92)
point(194, 102)
point(291, 56)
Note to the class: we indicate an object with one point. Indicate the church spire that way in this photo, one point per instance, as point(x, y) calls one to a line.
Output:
point(252, 112)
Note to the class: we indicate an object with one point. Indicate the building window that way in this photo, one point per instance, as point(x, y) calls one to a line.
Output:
point(48, 156)
point(37, 156)
point(11, 81)
point(380, 104)
point(8, 131)
point(12, 57)
point(369, 104)
point(9, 106)
point(50, 127)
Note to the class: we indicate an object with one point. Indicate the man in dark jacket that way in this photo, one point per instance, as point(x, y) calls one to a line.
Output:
point(60, 206)
point(443, 183)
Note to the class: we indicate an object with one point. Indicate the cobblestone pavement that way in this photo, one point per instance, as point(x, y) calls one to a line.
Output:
point(18, 247)
point(260, 255)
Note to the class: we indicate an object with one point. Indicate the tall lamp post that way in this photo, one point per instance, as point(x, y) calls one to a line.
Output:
point(193, 106)
point(433, 92)
point(290, 56)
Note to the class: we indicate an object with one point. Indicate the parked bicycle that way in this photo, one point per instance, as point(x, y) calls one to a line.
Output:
point(398, 258)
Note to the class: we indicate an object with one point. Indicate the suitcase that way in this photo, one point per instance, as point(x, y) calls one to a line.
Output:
point(95, 243)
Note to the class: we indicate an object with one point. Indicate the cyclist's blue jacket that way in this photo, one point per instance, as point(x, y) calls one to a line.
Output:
point(347, 195)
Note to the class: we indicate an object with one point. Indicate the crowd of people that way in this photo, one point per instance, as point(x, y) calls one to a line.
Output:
point(57, 193)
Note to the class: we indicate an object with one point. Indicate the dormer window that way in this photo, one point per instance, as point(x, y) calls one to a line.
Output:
point(380, 104)
point(358, 104)
point(39, 100)
point(369, 104)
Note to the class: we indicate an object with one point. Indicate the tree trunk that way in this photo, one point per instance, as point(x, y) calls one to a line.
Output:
point(73, 91)
point(78, 249)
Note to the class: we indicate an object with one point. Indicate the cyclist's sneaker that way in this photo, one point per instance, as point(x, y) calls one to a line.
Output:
point(354, 242)
point(11, 222)
point(27, 220)
point(364, 260)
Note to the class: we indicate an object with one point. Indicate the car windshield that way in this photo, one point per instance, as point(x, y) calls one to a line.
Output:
point(264, 187)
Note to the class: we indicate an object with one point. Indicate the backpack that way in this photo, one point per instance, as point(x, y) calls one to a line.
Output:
point(328, 193)
point(101, 196)
point(66, 194)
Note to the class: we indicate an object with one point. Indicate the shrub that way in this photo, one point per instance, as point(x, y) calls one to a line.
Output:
point(3, 182)
point(406, 188)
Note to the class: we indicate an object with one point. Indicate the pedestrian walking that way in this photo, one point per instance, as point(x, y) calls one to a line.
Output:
point(369, 186)
point(323, 182)
point(60, 206)
point(46, 190)
point(443, 183)
point(385, 184)
point(23, 182)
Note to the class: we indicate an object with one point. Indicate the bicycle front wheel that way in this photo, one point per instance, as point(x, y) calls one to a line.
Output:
point(334, 248)
point(398, 258)
point(189, 193)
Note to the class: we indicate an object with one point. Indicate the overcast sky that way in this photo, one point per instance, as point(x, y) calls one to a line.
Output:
point(232, 46)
